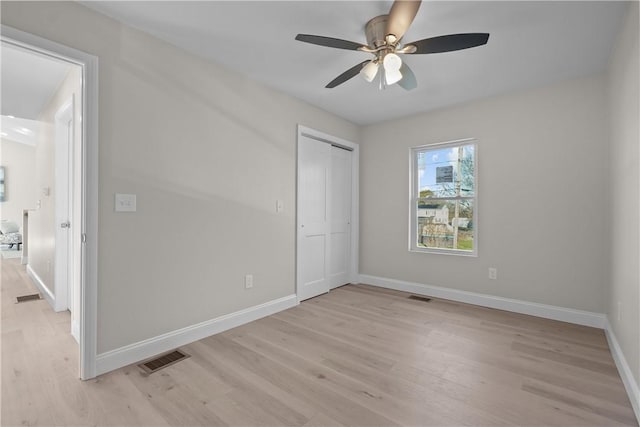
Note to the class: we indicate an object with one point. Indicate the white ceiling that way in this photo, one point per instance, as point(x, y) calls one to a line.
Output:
point(29, 80)
point(531, 44)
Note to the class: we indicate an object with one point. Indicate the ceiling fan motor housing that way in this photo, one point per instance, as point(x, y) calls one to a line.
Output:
point(375, 30)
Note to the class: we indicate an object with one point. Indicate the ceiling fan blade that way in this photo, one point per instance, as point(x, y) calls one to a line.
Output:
point(408, 81)
point(449, 43)
point(328, 41)
point(401, 16)
point(350, 73)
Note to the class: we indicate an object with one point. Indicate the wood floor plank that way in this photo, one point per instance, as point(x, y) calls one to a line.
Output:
point(405, 405)
point(310, 384)
point(323, 420)
point(358, 356)
point(587, 364)
point(612, 412)
point(254, 384)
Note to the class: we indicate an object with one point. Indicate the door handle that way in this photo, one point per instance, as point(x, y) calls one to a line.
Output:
point(65, 225)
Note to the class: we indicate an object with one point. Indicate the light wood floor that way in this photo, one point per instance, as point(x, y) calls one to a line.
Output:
point(359, 356)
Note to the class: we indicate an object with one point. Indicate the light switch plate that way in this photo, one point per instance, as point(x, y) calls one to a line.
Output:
point(125, 202)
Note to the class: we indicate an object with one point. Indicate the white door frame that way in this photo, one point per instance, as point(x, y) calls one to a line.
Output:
point(355, 197)
point(88, 264)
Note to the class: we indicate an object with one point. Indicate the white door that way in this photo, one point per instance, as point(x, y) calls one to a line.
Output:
point(64, 144)
point(340, 217)
point(314, 163)
point(324, 217)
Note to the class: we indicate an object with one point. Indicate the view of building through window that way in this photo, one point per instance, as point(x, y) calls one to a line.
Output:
point(443, 197)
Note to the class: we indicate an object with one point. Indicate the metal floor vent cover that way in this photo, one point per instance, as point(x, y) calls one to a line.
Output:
point(163, 361)
point(25, 298)
point(419, 298)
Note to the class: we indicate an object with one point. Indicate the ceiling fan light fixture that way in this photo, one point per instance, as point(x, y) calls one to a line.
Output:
point(392, 61)
point(392, 64)
point(370, 71)
point(384, 35)
point(393, 76)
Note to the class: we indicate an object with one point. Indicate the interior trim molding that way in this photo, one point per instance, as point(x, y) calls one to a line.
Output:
point(136, 352)
point(579, 317)
point(630, 383)
point(42, 288)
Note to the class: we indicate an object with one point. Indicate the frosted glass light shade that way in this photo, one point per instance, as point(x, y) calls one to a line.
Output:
point(393, 76)
point(392, 64)
point(392, 61)
point(369, 71)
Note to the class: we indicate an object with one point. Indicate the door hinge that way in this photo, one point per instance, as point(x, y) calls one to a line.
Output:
point(84, 238)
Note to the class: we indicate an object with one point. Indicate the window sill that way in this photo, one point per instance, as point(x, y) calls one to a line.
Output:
point(472, 254)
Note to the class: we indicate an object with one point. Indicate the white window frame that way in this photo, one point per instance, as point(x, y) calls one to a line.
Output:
point(414, 188)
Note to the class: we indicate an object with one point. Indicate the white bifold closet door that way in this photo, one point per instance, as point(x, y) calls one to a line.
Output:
point(324, 217)
point(339, 217)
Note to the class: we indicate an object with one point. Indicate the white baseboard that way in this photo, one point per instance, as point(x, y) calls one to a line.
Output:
point(75, 330)
point(136, 352)
point(579, 317)
point(630, 383)
point(42, 288)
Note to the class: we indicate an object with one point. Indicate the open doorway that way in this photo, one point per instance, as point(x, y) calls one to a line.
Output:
point(38, 110)
point(49, 101)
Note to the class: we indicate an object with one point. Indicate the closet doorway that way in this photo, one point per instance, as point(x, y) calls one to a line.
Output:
point(327, 212)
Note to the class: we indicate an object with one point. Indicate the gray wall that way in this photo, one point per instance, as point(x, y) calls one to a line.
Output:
point(542, 174)
point(207, 152)
point(624, 190)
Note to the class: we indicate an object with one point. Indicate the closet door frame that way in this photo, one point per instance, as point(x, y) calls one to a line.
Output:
point(304, 131)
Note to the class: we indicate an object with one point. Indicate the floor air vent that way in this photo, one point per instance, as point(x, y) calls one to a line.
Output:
point(163, 361)
point(419, 298)
point(25, 298)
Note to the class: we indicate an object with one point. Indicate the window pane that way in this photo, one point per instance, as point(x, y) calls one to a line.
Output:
point(445, 224)
point(446, 172)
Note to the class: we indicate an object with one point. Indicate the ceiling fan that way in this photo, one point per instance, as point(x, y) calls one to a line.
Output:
point(384, 35)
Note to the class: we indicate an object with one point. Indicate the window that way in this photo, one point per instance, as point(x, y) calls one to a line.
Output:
point(443, 198)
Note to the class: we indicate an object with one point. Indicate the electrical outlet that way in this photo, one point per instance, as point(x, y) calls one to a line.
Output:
point(493, 273)
point(248, 281)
